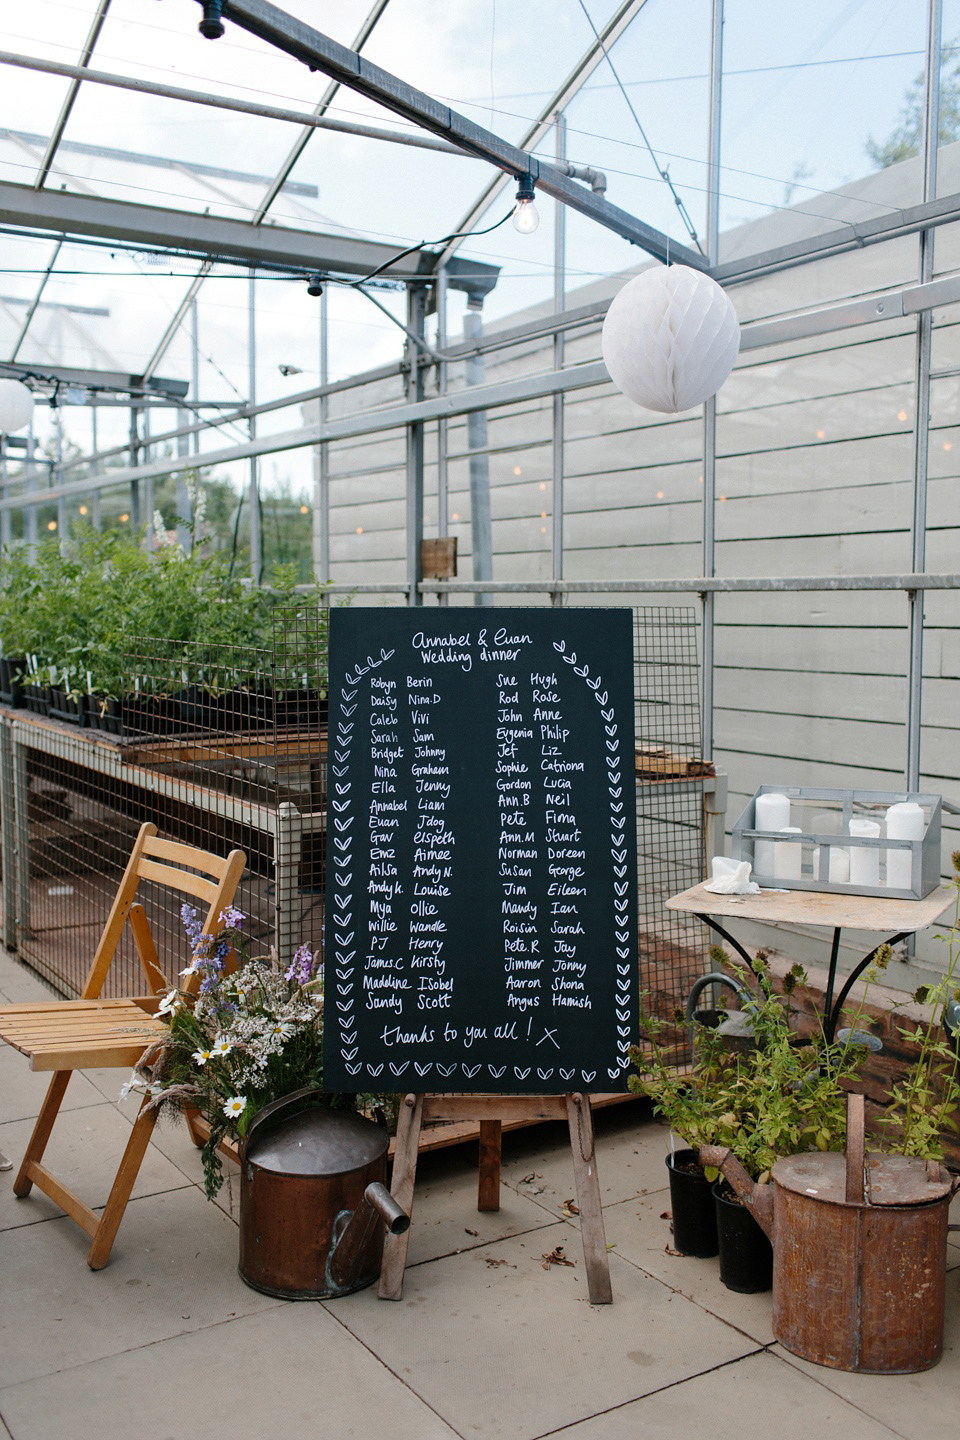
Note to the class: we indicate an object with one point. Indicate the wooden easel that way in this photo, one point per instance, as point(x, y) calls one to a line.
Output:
point(491, 1111)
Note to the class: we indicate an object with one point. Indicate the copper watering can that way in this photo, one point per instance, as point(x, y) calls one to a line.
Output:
point(859, 1252)
point(314, 1206)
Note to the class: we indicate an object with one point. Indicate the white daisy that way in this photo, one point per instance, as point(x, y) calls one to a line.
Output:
point(170, 1003)
point(202, 1056)
point(235, 1106)
point(221, 1046)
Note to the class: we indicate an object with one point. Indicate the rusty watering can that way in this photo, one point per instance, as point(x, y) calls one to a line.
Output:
point(859, 1252)
point(314, 1207)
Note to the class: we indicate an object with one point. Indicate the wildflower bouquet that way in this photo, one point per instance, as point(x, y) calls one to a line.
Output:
point(240, 1036)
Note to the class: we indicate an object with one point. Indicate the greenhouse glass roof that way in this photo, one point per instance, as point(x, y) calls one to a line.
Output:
point(142, 165)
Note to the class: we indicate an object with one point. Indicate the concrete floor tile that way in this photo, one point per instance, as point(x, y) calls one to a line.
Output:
point(292, 1371)
point(643, 1237)
point(84, 1152)
point(748, 1400)
point(915, 1406)
point(631, 1149)
point(22, 1089)
point(173, 1269)
point(504, 1349)
point(19, 984)
point(445, 1215)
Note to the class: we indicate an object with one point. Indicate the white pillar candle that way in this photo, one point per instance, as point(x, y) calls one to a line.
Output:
point(838, 863)
point(787, 857)
point(864, 863)
point(770, 812)
point(904, 822)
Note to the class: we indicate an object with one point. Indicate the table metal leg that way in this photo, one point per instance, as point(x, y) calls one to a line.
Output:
point(831, 1017)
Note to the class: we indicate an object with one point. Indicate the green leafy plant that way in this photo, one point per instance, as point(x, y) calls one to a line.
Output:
point(779, 1097)
point(926, 1101)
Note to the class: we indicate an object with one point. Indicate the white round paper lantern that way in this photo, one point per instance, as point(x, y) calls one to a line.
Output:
point(16, 406)
point(670, 338)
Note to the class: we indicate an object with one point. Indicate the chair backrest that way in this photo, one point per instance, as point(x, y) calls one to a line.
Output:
point(190, 871)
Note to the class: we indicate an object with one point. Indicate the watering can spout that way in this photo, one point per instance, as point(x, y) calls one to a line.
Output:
point(757, 1198)
point(377, 1207)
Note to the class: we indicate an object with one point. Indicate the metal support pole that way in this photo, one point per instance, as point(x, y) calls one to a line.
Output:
point(8, 838)
point(480, 524)
point(256, 538)
point(96, 517)
point(6, 517)
point(443, 469)
point(31, 515)
point(559, 303)
point(21, 814)
point(321, 464)
point(710, 408)
point(287, 851)
point(194, 366)
point(56, 476)
point(148, 482)
point(184, 502)
point(416, 313)
point(921, 422)
point(134, 460)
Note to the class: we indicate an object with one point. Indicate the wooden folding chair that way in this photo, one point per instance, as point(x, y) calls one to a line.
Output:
point(90, 1033)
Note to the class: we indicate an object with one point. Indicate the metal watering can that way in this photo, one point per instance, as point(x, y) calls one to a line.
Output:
point(314, 1206)
point(859, 1252)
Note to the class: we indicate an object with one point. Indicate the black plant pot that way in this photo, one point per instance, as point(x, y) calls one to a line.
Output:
point(692, 1206)
point(70, 709)
point(103, 713)
point(36, 698)
point(746, 1255)
point(11, 688)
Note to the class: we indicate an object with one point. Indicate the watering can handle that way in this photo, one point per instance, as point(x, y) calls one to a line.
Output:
point(855, 1140)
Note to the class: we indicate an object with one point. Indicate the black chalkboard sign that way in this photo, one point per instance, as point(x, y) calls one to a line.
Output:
point(481, 931)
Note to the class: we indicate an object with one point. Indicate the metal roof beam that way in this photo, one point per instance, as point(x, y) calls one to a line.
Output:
point(541, 127)
point(113, 380)
point(153, 228)
point(72, 93)
point(319, 52)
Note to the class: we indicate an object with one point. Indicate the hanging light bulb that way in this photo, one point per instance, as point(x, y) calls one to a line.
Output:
point(526, 217)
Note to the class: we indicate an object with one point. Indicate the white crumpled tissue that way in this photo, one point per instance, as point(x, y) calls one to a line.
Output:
point(731, 877)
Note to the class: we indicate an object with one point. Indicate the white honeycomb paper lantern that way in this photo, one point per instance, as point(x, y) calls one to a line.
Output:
point(16, 406)
point(670, 338)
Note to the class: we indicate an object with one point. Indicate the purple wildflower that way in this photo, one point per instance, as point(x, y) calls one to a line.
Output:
point(191, 923)
point(302, 966)
point(232, 918)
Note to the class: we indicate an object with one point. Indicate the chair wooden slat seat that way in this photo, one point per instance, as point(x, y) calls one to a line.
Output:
point(94, 1033)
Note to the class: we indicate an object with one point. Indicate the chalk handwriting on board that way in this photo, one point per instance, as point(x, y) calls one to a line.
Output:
point(481, 920)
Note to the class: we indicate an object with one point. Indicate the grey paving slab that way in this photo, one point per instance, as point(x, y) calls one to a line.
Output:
point(292, 1370)
point(19, 984)
point(84, 1152)
point(445, 1215)
point(631, 1150)
point(642, 1236)
point(22, 1089)
point(915, 1406)
point(751, 1399)
point(172, 1270)
point(504, 1349)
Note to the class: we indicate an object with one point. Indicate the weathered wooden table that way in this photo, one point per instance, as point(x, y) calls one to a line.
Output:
point(895, 919)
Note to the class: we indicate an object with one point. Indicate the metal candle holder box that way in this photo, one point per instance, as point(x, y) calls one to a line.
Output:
point(821, 823)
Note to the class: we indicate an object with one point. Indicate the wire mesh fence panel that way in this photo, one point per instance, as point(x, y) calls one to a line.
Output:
point(670, 808)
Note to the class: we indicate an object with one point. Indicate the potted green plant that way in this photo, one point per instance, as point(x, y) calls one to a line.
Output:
point(772, 1099)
